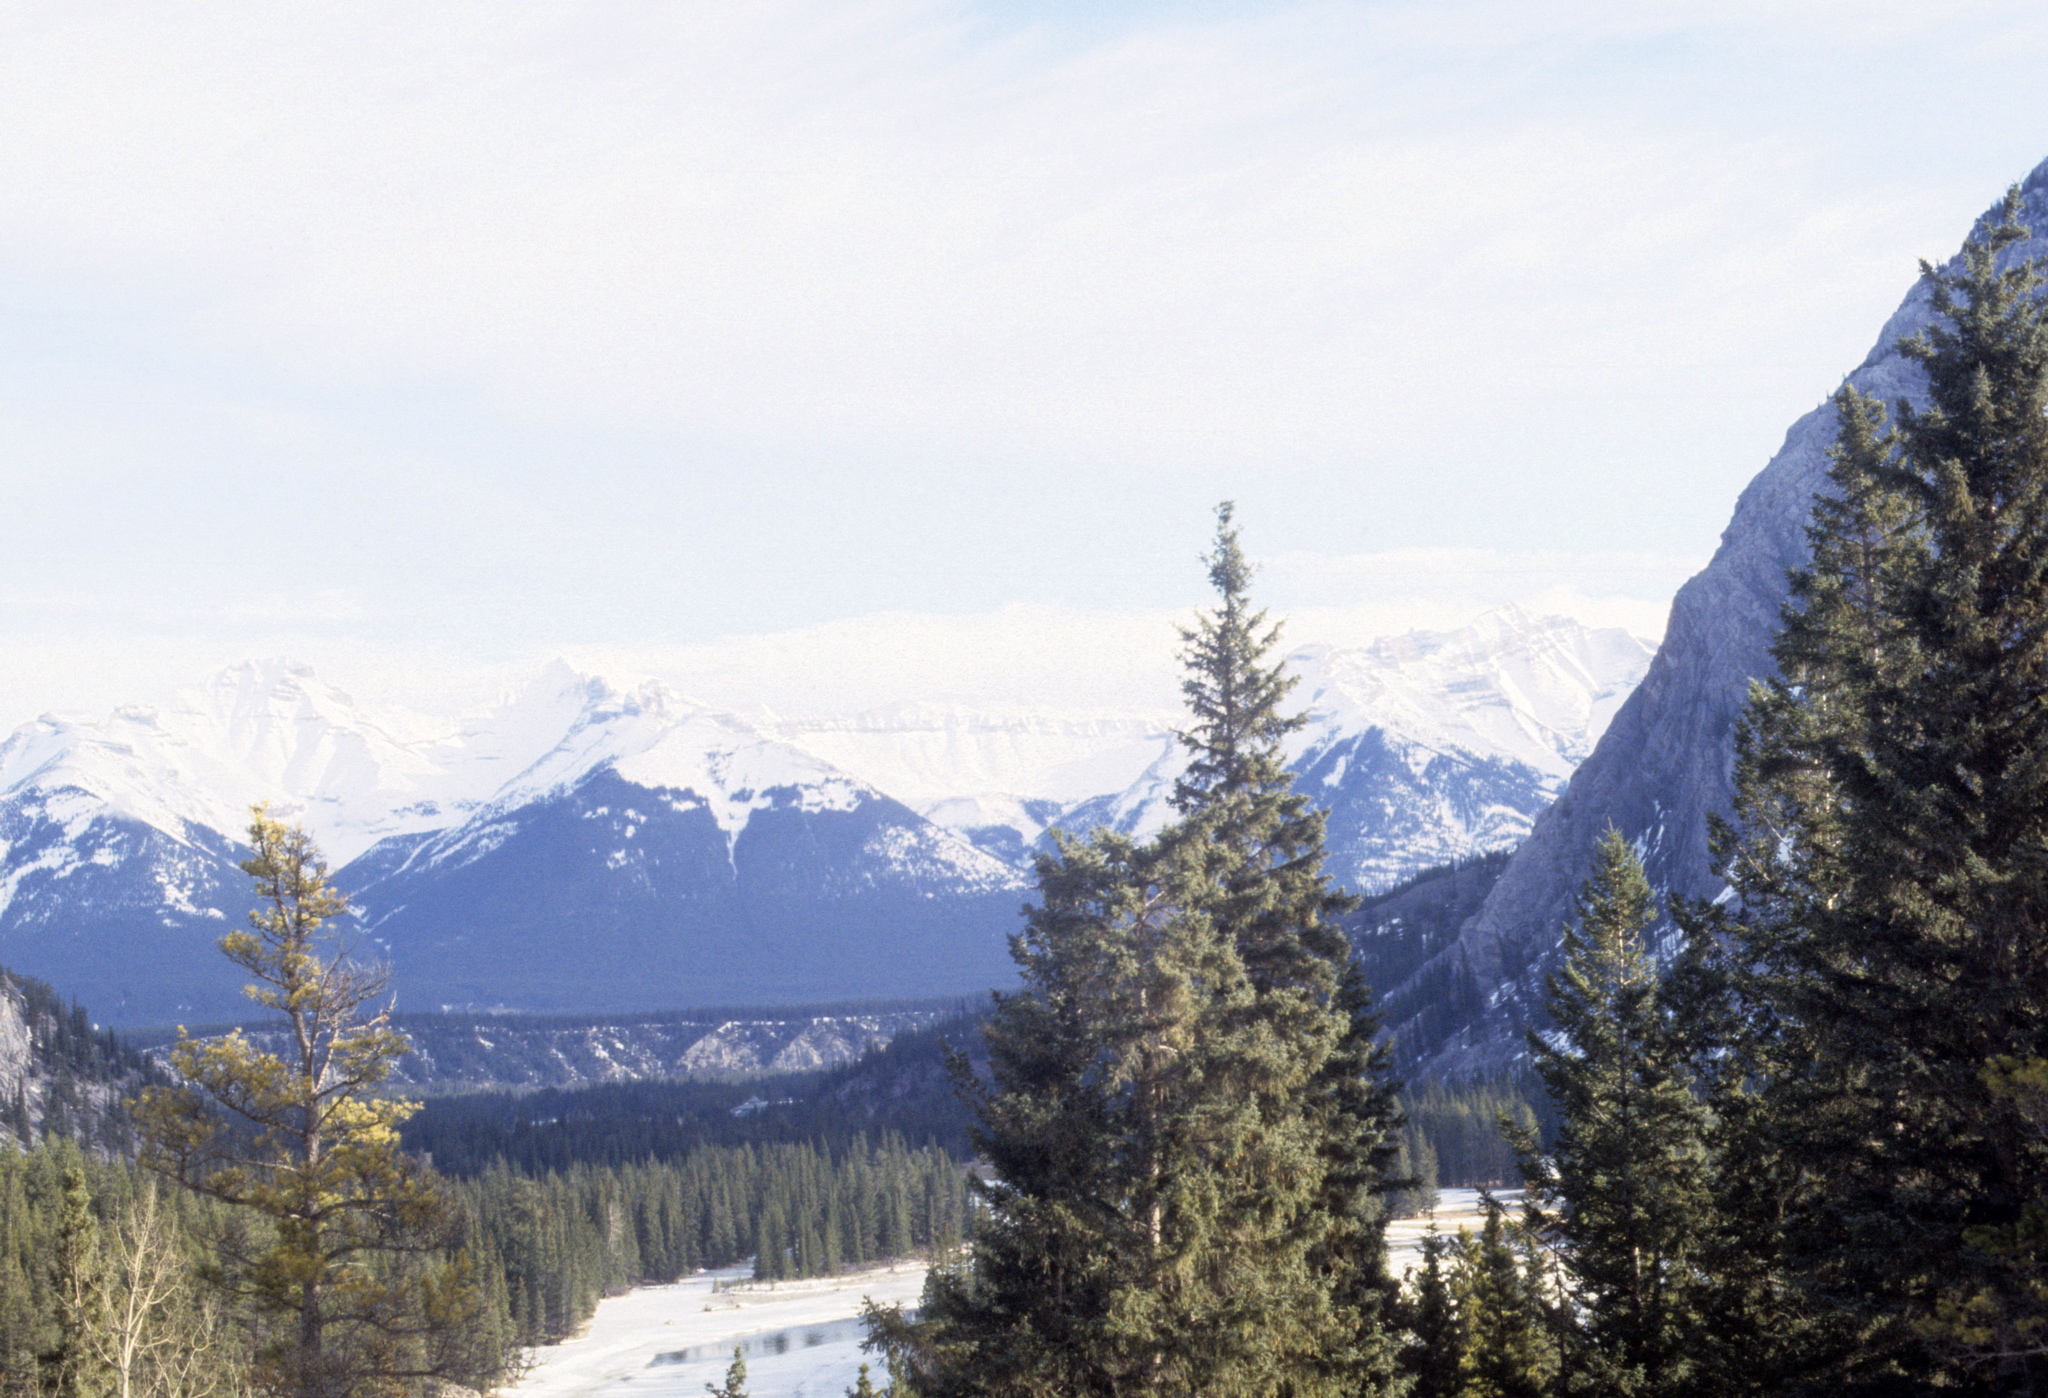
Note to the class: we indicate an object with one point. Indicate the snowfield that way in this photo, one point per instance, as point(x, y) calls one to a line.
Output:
point(1455, 1209)
point(801, 1339)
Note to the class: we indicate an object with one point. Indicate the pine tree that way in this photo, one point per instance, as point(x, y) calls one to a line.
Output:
point(346, 1264)
point(1509, 1348)
point(1187, 1122)
point(735, 1385)
point(1891, 817)
point(1624, 1192)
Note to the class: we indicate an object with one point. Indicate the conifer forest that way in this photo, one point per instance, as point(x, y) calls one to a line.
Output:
point(1791, 1141)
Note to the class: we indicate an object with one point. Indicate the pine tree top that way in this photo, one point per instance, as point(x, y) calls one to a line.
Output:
point(1233, 690)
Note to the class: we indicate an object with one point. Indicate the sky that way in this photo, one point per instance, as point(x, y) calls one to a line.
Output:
point(814, 355)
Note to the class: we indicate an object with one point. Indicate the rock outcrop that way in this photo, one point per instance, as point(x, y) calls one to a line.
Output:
point(1665, 763)
point(465, 1053)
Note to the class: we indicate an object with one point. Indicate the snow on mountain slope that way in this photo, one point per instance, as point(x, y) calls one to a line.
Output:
point(926, 753)
point(584, 847)
point(1430, 746)
point(1537, 691)
point(118, 838)
point(272, 731)
point(697, 759)
point(254, 732)
point(999, 777)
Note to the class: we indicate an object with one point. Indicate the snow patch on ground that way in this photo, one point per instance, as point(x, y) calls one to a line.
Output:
point(802, 1339)
point(1455, 1209)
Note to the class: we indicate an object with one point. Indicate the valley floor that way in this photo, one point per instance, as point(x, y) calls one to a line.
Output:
point(801, 1338)
point(1455, 1209)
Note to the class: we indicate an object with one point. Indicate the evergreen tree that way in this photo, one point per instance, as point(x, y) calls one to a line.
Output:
point(1111, 1152)
point(1433, 1357)
point(1188, 1121)
point(351, 1258)
point(1747, 1326)
point(72, 1369)
point(1891, 816)
point(1261, 845)
point(1624, 1192)
point(1509, 1347)
point(735, 1385)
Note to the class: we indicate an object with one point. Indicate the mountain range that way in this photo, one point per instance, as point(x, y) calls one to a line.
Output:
point(585, 848)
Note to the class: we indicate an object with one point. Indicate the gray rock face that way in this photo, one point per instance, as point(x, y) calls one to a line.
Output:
point(1665, 763)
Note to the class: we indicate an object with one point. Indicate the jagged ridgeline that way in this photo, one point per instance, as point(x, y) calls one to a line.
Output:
point(470, 1053)
point(583, 850)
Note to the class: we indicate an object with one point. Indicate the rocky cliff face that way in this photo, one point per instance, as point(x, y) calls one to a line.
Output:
point(1665, 762)
point(60, 1074)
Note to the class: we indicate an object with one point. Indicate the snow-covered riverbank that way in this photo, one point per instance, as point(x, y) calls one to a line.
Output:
point(1455, 1209)
point(802, 1339)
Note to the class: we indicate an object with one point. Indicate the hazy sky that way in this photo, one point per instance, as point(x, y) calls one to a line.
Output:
point(425, 341)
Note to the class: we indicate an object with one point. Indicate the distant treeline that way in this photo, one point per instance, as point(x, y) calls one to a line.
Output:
point(1458, 1129)
point(566, 1239)
point(1452, 1139)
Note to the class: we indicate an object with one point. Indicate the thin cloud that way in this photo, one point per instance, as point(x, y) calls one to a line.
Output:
point(535, 326)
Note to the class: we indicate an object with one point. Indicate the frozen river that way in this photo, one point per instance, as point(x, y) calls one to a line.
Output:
point(801, 1339)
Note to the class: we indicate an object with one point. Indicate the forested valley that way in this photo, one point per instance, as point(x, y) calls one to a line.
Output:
point(565, 1196)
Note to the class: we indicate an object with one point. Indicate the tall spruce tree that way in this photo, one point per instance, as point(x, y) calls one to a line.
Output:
point(1261, 844)
point(1623, 1193)
point(1891, 849)
point(1187, 1119)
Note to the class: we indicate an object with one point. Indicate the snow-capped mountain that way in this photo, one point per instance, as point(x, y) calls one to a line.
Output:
point(583, 848)
point(662, 853)
point(572, 846)
point(999, 777)
point(1431, 746)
